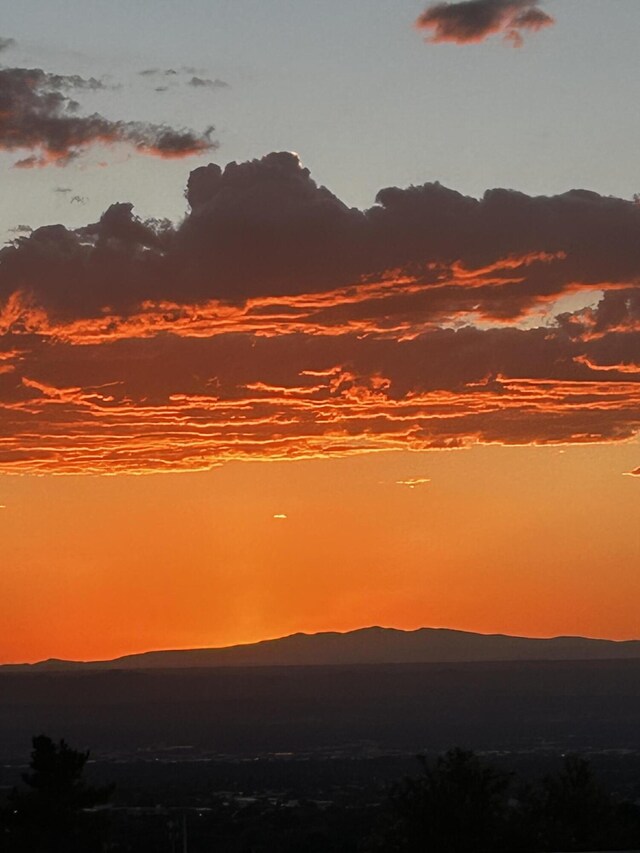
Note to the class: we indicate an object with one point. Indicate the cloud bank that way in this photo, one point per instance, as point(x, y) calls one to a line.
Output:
point(276, 322)
point(475, 20)
point(38, 116)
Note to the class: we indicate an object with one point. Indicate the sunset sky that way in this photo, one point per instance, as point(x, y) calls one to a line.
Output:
point(316, 316)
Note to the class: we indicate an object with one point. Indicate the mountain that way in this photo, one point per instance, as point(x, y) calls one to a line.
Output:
point(373, 645)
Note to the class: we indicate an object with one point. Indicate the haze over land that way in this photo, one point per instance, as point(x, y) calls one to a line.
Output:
point(552, 706)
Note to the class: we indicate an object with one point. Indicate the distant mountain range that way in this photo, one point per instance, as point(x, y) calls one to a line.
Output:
point(365, 646)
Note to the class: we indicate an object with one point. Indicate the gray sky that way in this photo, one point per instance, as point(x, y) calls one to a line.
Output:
point(352, 87)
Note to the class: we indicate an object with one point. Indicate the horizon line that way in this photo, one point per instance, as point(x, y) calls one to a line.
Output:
point(319, 633)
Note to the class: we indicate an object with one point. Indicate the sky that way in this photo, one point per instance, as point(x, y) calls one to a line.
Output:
point(316, 316)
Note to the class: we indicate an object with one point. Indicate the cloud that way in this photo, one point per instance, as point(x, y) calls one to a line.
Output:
point(276, 322)
point(73, 199)
point(412, 482)
point(264, 235)
point(67, 82)
point(475, 20)
point(634, 473)
point(37, 115)
point(158, 72)
point(6, 43)
point(206, 83)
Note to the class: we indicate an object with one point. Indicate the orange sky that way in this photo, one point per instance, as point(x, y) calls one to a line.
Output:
point(393, 379)
point(279, 353)
point(536, 541)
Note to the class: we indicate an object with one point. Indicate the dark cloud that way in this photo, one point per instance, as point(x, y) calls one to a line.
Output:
point(73, 199)
point(265, 228)
point(277, 322)
point(158, 72)
point(37, 114)
point(474, 20)
point(67, 82)
point(6, 43)
point(206, 83)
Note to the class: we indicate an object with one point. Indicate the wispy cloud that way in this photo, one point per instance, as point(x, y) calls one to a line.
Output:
point(37, 115)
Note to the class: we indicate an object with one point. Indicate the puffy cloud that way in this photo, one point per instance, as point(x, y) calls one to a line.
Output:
point(277, 322)
point(475, 20)
point(264, 230)
point(37, 114)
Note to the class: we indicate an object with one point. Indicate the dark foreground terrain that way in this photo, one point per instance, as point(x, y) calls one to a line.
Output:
point(302, 759)
point(579, 705)
point(529, 802)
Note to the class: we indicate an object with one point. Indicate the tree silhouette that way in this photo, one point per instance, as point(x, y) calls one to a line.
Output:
point(458, 806)
point(50, 815)
point(572, 812)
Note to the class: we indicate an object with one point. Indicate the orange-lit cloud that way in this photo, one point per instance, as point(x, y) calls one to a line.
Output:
point(276, 323)
point(412, 482)
point(472, 21)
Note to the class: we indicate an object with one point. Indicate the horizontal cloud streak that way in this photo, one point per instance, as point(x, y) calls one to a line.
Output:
point(275, 322)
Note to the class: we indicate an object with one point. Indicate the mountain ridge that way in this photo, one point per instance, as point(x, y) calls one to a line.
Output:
point(370, 645)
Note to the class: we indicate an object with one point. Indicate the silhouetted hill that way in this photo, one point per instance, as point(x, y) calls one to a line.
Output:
point(367, 646)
